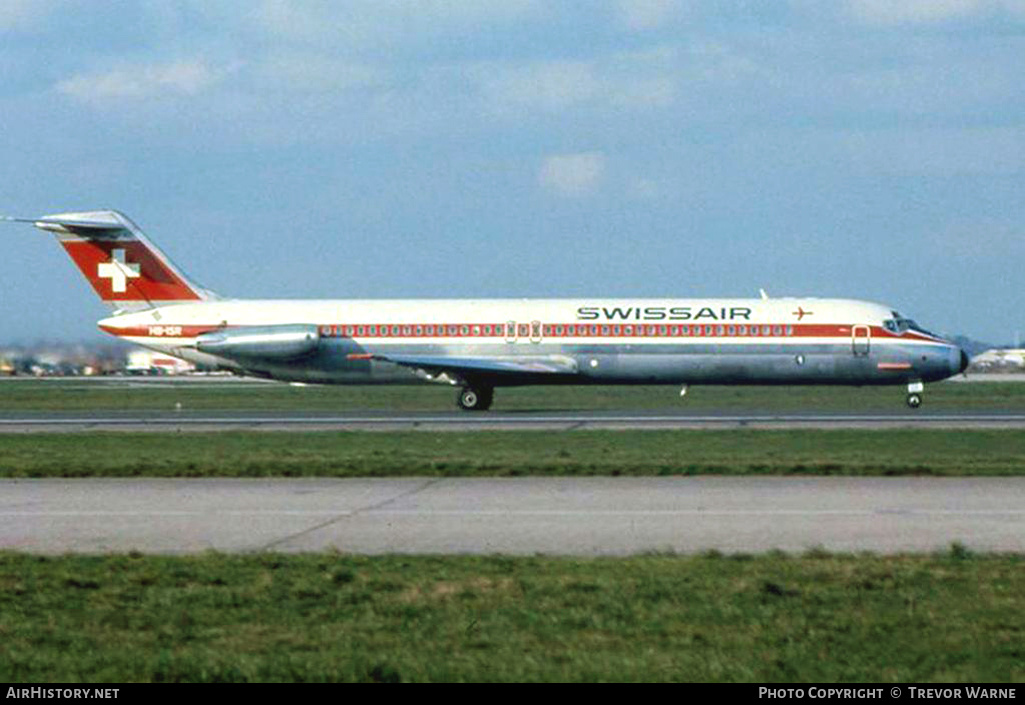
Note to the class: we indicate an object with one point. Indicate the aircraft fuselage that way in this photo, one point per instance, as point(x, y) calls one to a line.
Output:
point(730, 341)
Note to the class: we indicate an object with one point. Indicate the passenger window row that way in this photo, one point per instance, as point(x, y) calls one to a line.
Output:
point(572, 330)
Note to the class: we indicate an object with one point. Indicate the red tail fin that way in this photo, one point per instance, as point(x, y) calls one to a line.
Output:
point(122, 265)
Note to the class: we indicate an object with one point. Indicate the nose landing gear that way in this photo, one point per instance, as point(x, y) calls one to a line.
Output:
point(915, 394)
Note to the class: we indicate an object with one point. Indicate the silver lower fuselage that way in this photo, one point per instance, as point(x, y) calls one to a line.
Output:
point(342, 362)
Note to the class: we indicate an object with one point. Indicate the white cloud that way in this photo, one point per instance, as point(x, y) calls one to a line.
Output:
point(932, 152)
point(572, 174)
point(719, 62)
point(24, 14)
point(371, 23)
point(640, 15)
point(645, 188)
point(548, 85)
point(290, 19)
point(144, 81)
point(304, 71)
point(979, 239)
point(632, 80)
point(928, 11)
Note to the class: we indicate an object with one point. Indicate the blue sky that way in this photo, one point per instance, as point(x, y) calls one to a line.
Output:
point(493, 148)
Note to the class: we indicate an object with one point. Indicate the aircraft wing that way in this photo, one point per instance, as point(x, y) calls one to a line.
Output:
point(484, 366)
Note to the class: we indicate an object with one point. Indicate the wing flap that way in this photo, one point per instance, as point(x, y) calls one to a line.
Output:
point(493, 366)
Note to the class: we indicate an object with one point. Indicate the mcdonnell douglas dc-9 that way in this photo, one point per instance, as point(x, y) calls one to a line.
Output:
point(479, 345)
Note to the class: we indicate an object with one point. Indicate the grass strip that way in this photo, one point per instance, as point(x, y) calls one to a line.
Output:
point(331, 617)
point(515, 453)
point(128, 395)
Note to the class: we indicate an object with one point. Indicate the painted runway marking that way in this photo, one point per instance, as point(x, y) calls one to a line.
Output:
point(524, 512)
point(467, 422)
point(505, 419)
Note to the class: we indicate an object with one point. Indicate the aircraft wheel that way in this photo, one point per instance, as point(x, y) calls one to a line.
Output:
point(472, 399)
point(914, 400)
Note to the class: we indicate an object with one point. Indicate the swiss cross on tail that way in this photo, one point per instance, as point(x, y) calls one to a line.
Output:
point(125, 269)
point(118, 271)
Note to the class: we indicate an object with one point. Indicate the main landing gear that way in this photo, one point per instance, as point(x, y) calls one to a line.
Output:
point(475, 398)
point(915, 394)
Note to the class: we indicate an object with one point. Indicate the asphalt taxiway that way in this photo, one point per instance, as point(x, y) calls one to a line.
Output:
point(515, 516)
point(477, 421)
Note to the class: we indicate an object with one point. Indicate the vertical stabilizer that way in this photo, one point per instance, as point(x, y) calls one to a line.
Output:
point(126, 270)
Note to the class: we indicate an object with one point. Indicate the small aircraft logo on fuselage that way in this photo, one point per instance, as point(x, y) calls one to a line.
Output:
point(801, 313)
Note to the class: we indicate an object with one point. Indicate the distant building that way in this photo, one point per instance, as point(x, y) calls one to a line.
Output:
point(148, 362)
point(1000, 360)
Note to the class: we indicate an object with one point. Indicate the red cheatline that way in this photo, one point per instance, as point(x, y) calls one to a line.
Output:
point(549, 330)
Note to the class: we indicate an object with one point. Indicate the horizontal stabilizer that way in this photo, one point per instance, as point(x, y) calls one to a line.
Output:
point(95, 224)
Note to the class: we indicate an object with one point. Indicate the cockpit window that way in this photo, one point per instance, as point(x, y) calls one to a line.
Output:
point(914, 326)
point(899, 324)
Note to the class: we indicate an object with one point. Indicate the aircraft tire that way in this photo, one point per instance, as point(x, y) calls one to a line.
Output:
point(914, 400)
point(474, 399)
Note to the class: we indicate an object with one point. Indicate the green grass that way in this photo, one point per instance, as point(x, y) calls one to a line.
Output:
point(19, 396)
point(514, 453)
point(327, 617)
point(324, 617)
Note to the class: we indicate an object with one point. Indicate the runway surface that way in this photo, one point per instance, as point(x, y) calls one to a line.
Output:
point(516, 516)
point(492, 421)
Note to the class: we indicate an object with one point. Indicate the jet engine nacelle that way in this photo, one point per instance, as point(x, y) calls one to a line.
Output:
point(284, 342)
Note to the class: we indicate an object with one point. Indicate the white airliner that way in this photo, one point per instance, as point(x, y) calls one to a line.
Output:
point(481, 345)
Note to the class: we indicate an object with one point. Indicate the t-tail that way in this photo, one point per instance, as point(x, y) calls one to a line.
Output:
point(127, 271)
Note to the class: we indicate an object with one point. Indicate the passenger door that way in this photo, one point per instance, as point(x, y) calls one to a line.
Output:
point(861, 337)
